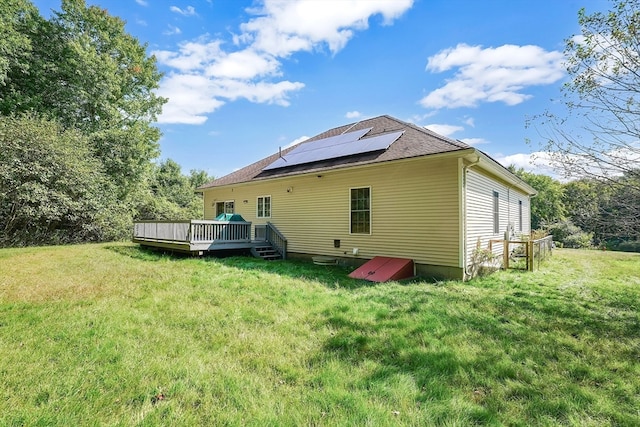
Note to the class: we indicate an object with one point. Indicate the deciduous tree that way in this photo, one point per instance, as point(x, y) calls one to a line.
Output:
point(600, 135)
point(52, 190)
point(85, 70)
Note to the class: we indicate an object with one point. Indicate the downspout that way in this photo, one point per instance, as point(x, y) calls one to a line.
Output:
point(464, 214)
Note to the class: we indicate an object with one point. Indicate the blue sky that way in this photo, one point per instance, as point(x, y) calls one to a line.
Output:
point(244, 78)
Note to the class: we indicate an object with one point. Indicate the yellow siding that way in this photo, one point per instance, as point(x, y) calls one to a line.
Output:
point(415, 212)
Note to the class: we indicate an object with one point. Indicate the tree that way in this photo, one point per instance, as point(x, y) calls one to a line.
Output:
point(585, 200)
point(171, 195)
point(51, 189)
point(547, 206)
point(88, 73)
point(14, 44)
point(198, 178)
point(600, 135)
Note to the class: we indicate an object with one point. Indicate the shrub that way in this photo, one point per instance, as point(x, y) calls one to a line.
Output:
point(570, 235)
point(484, 262)
point(633, 246)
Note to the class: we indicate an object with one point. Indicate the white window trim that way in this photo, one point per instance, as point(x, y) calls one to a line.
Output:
point(370, 211)
point(270, 206)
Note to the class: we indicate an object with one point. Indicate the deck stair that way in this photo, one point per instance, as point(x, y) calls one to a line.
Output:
point(266, 252)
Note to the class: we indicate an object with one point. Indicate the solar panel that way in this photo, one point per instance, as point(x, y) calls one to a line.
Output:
point(314, 149)
point(332, 140)
point(334, 147)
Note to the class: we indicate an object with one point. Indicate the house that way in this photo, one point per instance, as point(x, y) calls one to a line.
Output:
point(379, 187)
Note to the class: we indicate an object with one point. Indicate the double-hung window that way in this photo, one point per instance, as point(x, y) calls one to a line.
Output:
point(361, 210)
point(264, 207)
point(496, 212)
point(519, 215)
point(226, 207)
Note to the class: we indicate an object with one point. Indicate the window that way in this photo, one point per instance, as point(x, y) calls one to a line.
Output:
point(264, 207)
point(361, 210)
point(496, 212)
point(226, 207)
point(519, 215)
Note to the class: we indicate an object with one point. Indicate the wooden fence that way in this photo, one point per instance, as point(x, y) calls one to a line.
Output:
point(524, 254)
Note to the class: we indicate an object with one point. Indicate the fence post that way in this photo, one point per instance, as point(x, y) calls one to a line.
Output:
point(505, 254)
point(530, 255)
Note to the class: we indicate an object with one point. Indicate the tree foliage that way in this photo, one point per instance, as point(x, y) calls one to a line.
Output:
point(14, 44)
point(52, 190)
point(171, 195)
point(548, 205)
point(600, 135)
point(77, 135)
point(597, 141)
point(84, 70)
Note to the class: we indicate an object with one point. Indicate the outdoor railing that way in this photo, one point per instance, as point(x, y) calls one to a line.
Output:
point(524, 254)
point(193, 231)
point(277, 239)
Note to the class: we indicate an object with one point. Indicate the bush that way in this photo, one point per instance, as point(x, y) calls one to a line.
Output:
point(633, 246)
point(52, 191)
point(484, 262)
point(570, 235)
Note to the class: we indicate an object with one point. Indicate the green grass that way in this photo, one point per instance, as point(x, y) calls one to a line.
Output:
point(115, 335)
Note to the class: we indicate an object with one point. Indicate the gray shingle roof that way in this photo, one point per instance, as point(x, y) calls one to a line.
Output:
point(414, 142)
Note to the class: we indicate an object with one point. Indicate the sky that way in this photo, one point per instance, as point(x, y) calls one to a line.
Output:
point(244, 78)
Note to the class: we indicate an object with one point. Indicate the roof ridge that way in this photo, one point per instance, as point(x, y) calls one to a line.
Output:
point(443, 138)
point(418, 141)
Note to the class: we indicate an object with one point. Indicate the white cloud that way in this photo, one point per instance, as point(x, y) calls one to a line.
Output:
point(470, 121)
point(244, 64)
point(172, 30)
point(142, 2)
point(538, 162)
point(443, 129)
point(259, 92)
point(278, 29)
point(288, 26)
point(188, 11)
point(353, 115)
point(297, 141)
point(191, 56)
point(491, 74)
point(192, 96)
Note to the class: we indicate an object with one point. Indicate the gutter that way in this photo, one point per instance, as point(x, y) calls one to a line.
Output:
point(464, 214)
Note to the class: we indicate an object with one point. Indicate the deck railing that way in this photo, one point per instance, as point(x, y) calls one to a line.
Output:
point(277, 239)
point(193, 231)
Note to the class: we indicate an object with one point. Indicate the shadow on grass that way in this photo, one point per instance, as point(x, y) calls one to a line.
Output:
point(334, 276)
point(403, 335)
point(143, 253)
point(535, 351)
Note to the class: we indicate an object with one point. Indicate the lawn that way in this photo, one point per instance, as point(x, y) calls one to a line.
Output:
point(115, 335)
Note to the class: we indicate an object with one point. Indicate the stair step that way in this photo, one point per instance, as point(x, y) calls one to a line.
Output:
point(266, 252)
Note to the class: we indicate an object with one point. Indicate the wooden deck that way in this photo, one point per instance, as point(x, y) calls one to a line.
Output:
point(193, 235)
point(200, 236)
